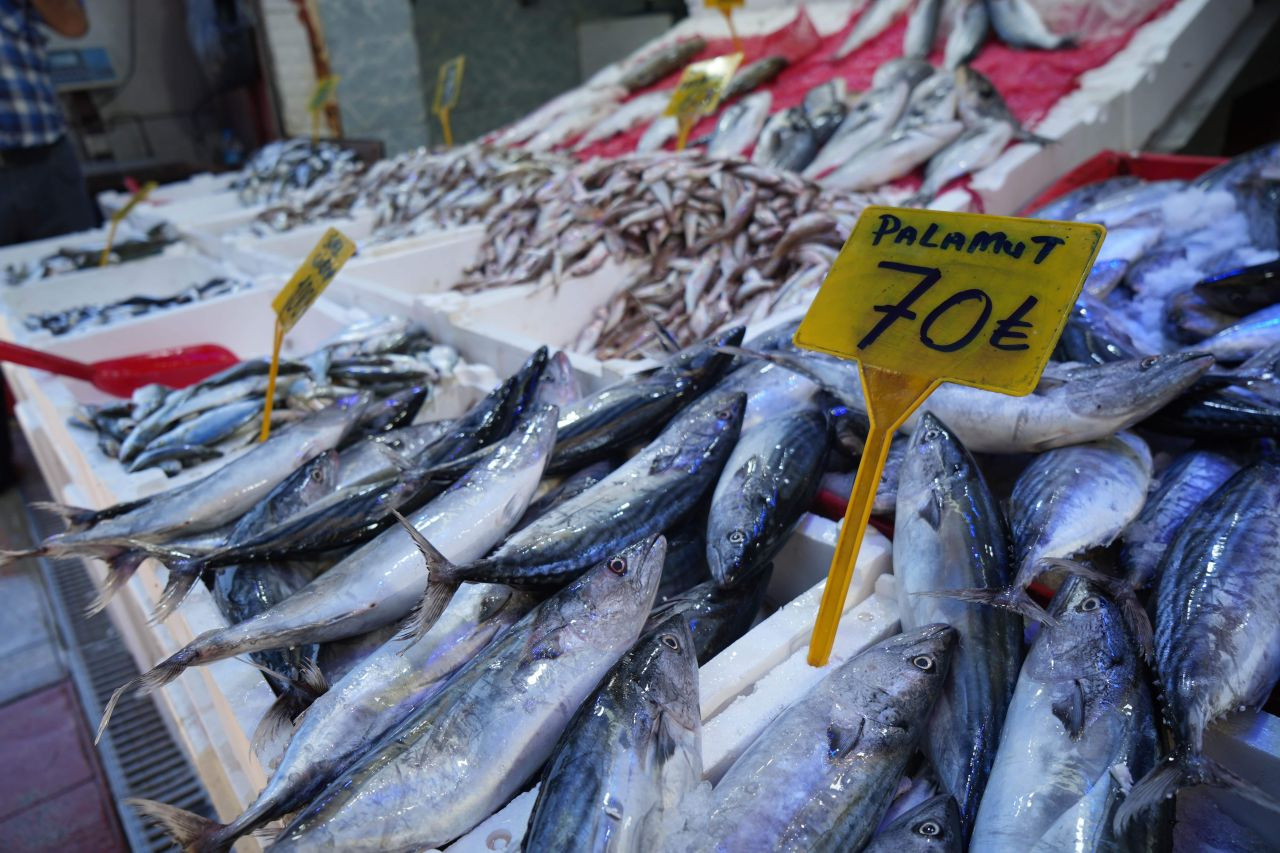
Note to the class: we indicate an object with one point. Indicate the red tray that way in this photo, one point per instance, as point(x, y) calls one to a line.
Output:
point(1110, 164)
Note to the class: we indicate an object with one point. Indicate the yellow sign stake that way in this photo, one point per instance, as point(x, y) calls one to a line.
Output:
point(921, 297)
point(134, 200)
point(448, 90)
point(726, 7)
point(297, 296)
point(322, 93)
point(699, 92)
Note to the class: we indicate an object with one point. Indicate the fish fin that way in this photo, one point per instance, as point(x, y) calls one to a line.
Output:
point(1131, 610)
point(7, 557)
point(664, 741)
point(399, 460)
point(1184, 769)
point(790, 362)
point(191, 832)
point(156, 677)
point(122, 565)
point(1013, 598)
point(1069, 709)
point(175, 591)
point(841, 740)
point(931, 511)
point(75, 517)
point(440, 585)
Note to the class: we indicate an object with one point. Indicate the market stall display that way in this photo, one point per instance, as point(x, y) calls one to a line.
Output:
point(579, 589)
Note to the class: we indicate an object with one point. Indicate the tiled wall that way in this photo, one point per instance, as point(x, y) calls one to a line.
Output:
point(371, 45)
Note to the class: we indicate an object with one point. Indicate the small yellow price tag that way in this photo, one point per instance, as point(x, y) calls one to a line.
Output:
point(726, 7)
point(299, 294)
point(699, 91)
point(137, 198)
point(323, 92)
point(448, 90)
point(921, 297)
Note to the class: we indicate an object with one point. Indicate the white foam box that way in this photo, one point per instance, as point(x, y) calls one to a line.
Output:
point(749, 684)
point(95, 238)
point(233, 236)
point(393, 274)
point(196, 186)
point(159, 277)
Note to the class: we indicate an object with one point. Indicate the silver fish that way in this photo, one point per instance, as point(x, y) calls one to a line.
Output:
point(873, 20)
point(1253, 334)
point(652, 67)
point(1066, 206)
point(1133, 204)
point(466, 751)
point(1019, 25)
point(739, 125)
point(866, 122)
point(1080, 721)
point(379, 583)
point(787, 141)
point(979, 101)
point(968, 32)
point(893, 157)
point(975, 148)
point(931, 827)
point(822, 774)
point(933, 100)
point(922, 29)
point(949, 533)
point(638, 110)
point(825, 107)
point(1217, 631)
point(906, 69)
point(660, 130)
point(630, 754)
point(1179, 489)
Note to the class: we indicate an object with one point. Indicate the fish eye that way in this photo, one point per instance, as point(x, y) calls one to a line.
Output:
point(670, 642)
point(316, 475)
point(1090, 603)
point(930, 829)
point(931, 434)
point(618, 566)
point(723, 414)
point(922, 662)
point(737, 537)
point(1147, 362)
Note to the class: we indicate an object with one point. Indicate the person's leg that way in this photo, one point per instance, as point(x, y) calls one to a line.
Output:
point(58, 200)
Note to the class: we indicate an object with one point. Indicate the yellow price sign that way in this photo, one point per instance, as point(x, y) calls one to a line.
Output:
point(141, 195)
point(726, 7)
point(699, 91)
point(299, 294)
point(323, 92)
point(922, 297)
point(448, 90)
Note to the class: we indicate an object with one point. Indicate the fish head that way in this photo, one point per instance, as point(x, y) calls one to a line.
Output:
point(320, 477)
point(1087, 636)
point(706, 430)
point(622, 586)
point(1121, 390)
point(704, 361)
point(932, 825)
point(974, 87)
point(910, 667)
point(329, 426)
point(529, 377)
point(558, 385)
point(668, 654)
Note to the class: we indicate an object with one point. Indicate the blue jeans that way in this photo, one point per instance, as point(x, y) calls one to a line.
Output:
point(42, 193)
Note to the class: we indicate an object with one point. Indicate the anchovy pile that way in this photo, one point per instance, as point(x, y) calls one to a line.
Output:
point(174, 429)
point(280, 168)
point(719, 241)
point(87, 256)
point(80, 316)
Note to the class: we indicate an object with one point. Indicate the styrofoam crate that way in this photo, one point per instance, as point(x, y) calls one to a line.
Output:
point(157, 277)
point(93, 239)
point(192, 212)
point(426, 264)
point(196, 186)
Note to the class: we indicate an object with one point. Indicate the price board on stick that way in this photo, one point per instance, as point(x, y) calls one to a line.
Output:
point(120, 215)
point(699, 91)
point(922, 297)
point(448, 90)
point(726, 7)
point(326, 87)
point(299, 294)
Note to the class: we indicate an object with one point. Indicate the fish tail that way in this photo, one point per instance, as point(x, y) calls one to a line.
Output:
point(299, 693)
point(1012, 597)
point(156, 677)
point(1184, 769)
point(7, 557)
point(175, 592)
point(191, 832)
point(441, 585)
point(121, 566)
point(75, 517)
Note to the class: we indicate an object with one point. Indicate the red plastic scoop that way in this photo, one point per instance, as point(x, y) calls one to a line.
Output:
point(176, 368)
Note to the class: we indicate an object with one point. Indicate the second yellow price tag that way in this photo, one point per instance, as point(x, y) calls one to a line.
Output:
point(120, 215)
point(921, 297)
point(699, 91)
point(299, 294)
point(448, 90)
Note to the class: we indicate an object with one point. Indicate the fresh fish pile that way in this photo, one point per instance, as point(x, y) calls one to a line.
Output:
point(82, 316)
point(719, 241)
point(279, 168)
point(127, 247)
point(174, 429)
point(1015, 22)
